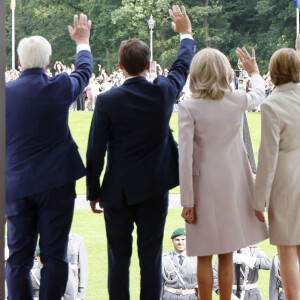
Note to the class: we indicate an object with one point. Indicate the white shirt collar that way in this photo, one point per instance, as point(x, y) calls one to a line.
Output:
point(130, 77)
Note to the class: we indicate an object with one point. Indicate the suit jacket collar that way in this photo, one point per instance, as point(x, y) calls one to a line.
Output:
point(134, 80)
point(32, 71)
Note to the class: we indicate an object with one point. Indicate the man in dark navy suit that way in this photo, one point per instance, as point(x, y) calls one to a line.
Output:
point(42, 164)
point(131, 124)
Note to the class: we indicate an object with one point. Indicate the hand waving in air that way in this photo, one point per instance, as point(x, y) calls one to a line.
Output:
point(81, 31)
point(181, 22)
point(247, 62)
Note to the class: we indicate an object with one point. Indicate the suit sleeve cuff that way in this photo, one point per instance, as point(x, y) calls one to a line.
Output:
point(185, 36)
point(83, 47)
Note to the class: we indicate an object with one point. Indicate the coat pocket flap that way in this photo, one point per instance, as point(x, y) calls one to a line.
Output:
point(196, 171)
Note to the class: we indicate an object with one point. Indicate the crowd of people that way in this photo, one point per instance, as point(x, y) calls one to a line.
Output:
point(103, 82)
point(223, 206)
point(100, 83)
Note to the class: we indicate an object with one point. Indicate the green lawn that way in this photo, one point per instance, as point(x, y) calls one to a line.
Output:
point(91, 226)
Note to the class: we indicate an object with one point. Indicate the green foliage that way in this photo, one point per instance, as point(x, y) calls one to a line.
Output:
point(266, 25)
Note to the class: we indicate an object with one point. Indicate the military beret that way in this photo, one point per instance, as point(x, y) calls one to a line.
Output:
point(37, 251)
point(177, 232)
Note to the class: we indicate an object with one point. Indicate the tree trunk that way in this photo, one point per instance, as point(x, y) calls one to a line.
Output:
point(108, 59)
point(204, 3)
point(163, 39)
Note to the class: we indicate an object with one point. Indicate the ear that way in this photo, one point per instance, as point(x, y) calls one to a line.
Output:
point(121, 66)
point(48, 66)
point(19, 63)
point(148, 65)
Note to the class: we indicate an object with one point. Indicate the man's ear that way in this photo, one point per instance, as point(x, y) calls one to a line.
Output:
point(121, 66)
point(49, 62)
point(48, 66)
point(148, 65)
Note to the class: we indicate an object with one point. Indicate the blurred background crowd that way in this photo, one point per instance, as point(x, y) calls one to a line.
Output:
point(103, 82)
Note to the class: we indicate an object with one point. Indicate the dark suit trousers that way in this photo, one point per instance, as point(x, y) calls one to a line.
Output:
point(149, 218)
point(49, 214)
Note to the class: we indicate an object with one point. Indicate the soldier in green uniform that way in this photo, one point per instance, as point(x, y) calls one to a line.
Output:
point(179, 271)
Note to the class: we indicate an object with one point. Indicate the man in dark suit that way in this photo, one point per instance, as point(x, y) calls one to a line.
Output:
point(42, 164)
point(131, 123)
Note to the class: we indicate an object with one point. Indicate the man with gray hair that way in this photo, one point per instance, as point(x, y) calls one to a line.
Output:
point(42, 163)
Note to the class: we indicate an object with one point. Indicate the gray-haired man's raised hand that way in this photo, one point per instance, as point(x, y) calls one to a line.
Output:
point(181, 22)
point(81, 31)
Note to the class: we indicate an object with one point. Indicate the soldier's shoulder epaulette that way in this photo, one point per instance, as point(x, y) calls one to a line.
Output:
point(167, 254)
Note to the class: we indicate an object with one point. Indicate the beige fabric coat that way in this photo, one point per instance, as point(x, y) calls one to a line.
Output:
point(215, 175)
point(278, 172)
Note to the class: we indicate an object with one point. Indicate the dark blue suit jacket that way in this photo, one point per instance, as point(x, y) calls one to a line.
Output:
point(40, 152)
point(131, 123)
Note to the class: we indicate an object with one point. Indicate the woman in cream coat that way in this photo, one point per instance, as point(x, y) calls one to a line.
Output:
point(278, 174)
point(215, 178)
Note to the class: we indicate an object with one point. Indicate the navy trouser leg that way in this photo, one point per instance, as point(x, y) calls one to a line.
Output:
point(119, 227)
point(150, 222)
point(21, 240)
point(50, 213)
point(55, 221)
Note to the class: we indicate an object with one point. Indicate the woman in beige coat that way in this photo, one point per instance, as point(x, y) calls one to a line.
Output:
point(278, 174)
point(215, 178)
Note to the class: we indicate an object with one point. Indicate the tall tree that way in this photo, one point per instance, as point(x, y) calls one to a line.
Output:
point(266, 25)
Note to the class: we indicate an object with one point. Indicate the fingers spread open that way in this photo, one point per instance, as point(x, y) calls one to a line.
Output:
point(71, 30)
point(176, 10)
point(246, 52)
point(75, 21)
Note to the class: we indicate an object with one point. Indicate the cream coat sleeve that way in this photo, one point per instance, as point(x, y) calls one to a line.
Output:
point(186, 137)
point(267, 156)
point(257, 95)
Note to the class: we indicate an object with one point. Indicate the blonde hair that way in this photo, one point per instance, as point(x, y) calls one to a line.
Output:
point(285, 66)
point(210, 74)
point(34, 52)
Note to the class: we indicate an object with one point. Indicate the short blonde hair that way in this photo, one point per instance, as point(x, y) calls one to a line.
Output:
point(210, 74)
point(34, 52)
point(285, 66)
